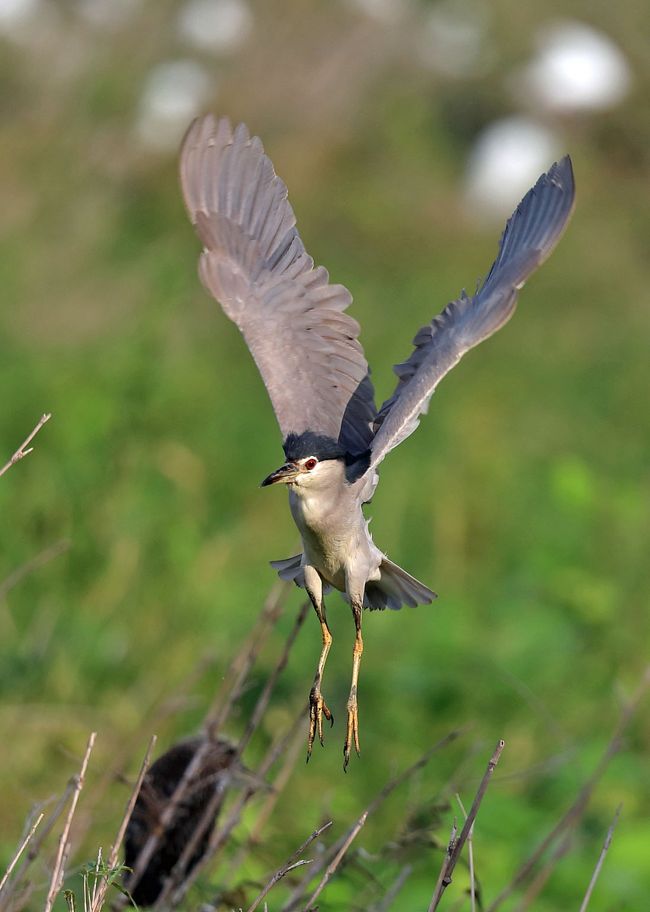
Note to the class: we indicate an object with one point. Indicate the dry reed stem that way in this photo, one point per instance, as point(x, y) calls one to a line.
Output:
point(175, 882)
point(352, 834)
point(24, 449)
point(291, 755)
point(245, 659)
point(59, 865)
point(39, 560)
point(100, 895)
point(156, 713)
point(21, 848)
point(456, 845)
point(601, 859)
point(574, 814)
point(214, 720)
point(540, 880)
point(297, 897)
point(288, 866)
point(34, 849)
point(220, 836)
point(394, 889)
point(470, 855)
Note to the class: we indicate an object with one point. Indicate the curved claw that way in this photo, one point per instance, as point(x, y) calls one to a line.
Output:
point(317, 709)
point(352, 735)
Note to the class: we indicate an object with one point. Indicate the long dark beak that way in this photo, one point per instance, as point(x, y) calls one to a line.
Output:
point(283, 475)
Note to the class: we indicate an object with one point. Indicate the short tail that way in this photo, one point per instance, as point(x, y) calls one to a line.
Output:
point(290, 569)
point(395, 588)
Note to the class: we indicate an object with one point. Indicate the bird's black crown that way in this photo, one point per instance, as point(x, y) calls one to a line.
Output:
point(298, 446)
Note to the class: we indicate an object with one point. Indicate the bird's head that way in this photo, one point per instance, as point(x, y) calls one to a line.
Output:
point(306, 472)
point(312, 460)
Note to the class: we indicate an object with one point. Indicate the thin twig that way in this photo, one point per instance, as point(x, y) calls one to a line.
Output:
point(265, 696)
point(394, 889)
point(449, 854)
point(353, 832)
point(24, 449)
point(62, 851)
point(288, 866)
point(19, 852)
point(217, 842)
point(601, 859)
point(540, 880)
point(291, 754)
point(213, 723)
point(470, 855)
point(44, 557)
point(35, 846)
point(100, 895)
point(245, 659)
point(452, 857)
point(297, 897)
point(573, 815)
point(290, 759)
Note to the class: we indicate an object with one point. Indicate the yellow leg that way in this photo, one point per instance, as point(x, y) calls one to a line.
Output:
point(352, 734)
point(317, 705)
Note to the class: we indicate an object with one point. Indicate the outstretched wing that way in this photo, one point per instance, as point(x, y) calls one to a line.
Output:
point(254, 263)
point(530, 235)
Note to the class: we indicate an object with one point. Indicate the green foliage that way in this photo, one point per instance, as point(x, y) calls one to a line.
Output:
point(522, 498)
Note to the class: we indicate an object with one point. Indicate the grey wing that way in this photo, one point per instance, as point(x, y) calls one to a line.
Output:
point(530, 235)
point(254, 263)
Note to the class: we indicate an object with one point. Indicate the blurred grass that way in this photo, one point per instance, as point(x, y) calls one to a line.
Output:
point(522, 498)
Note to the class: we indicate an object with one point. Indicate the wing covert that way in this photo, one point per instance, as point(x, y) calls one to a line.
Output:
point(530, 235)
point(253, 262)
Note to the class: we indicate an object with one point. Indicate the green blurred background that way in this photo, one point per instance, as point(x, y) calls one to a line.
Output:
point(522, 499)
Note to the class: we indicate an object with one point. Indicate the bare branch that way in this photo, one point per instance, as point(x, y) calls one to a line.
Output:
point(289, 865)
point(390, 895)
point(35, 846)
point(470, 854)
point(62, 851)
point(19, 852)
point(573, 815)
point(352, 834)
point(456, 846)
point(24, 449)
point(245, 659)
point(601, 859)
point(538, 882)
point(100, 895)
point(219, 837)
point(39, 560)
point(296, 897)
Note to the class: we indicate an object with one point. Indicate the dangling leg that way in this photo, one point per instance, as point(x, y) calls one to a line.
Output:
point(352, 734)
point(317, 706)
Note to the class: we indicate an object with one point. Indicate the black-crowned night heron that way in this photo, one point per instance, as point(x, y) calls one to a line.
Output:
point(309, 356)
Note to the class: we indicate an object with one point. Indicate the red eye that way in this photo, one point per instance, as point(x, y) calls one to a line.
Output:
point(311, 464)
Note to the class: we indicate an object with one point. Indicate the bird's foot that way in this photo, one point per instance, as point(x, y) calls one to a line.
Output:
point(352, 735)
point(317, 709)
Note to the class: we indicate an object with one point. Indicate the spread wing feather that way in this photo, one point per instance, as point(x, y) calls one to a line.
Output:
point(254, 263)
point(530, 235)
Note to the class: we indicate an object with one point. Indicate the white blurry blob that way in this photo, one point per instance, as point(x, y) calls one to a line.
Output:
point(387, 12)
point(505, 162)
point(173, 94)
point(108, 13)
point(36, 25)
point(577, 68)
point(19, 17)
point(216, 26)
point(452, 39)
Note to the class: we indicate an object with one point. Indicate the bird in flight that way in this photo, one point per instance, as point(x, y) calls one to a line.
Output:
point(306, 347)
